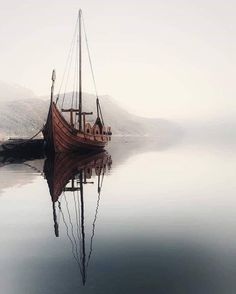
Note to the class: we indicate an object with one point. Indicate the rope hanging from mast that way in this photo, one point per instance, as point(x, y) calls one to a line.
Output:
point(75, 57)
point(99, 111)
point(68, 61)
point(89, 57)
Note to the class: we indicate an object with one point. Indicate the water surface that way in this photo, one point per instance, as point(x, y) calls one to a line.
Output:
point(160, 220)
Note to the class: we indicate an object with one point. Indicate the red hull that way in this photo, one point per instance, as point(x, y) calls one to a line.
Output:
point(60, 136)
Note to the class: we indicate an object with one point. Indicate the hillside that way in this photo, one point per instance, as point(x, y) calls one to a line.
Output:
point(24, 117)
point(12, 92)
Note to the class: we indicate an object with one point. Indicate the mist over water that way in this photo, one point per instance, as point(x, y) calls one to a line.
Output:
point(165, 223)
point(160, 218)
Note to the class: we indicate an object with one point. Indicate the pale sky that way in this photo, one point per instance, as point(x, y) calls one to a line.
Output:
point(160, 58)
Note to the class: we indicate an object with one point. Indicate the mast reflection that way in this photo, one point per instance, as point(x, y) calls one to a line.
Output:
point(67, 174)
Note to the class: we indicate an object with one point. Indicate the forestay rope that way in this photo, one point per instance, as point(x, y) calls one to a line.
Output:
point(73, 58)
point(72, 231)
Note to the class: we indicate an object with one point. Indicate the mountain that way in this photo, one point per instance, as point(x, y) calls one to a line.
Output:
point(24, 117)
point(21, 118)
point(9, 92)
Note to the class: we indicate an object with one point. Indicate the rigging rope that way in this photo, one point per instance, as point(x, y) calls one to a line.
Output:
point(72, 227)
point(89, 56)
point(36, 134)
point(92, 71)
point(74, 57)
point(95, 217)
point(70, 239)
point(67, 60)
point(15, 145)
point(67, 78)
point(77, 215)
point(75, 83)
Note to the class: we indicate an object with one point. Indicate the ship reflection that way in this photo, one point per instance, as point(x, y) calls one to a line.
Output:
point(66, 176)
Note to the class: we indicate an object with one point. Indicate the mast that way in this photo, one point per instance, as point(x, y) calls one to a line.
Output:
point(80, 74)
point(82, 227)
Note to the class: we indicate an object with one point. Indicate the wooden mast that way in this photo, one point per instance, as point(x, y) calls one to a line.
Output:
point(82, 227)
point(61, 134)
point(80, 74)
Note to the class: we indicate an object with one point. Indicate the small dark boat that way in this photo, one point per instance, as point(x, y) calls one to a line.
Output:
point(17, 147)
point(75, 134)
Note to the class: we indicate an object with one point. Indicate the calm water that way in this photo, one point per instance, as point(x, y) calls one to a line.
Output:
point(157, 219)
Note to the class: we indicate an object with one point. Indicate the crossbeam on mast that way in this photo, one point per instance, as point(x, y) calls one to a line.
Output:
point(70, 110)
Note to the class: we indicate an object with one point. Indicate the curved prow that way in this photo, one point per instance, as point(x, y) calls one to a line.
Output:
point(53, 81)
point(56, 227)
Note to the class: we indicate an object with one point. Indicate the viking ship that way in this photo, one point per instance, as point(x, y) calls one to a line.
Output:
point(66, 175)
point(74, 133)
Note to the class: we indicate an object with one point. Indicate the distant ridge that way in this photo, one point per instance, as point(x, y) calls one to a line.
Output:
point(12, 92)
point(25, 116)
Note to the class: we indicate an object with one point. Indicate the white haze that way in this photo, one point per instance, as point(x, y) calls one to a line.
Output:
point(173, 59)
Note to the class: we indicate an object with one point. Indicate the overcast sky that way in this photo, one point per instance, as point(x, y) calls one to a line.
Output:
point(164, 58)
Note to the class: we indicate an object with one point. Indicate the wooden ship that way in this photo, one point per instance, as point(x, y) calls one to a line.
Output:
point(75, 133)
point(66, 175)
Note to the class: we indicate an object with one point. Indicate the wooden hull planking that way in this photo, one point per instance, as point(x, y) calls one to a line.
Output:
point(62, 137)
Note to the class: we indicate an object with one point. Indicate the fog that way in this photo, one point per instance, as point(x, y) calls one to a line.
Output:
point(171, 59)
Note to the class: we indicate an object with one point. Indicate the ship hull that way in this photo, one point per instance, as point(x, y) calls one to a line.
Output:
point(60, 136)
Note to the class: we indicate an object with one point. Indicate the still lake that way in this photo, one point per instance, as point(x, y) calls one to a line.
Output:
point(145, 218)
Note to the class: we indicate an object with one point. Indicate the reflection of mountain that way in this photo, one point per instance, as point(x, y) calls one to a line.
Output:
point(66, 175)
point(121, 148)
point(17, 172)
point(12, 122)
